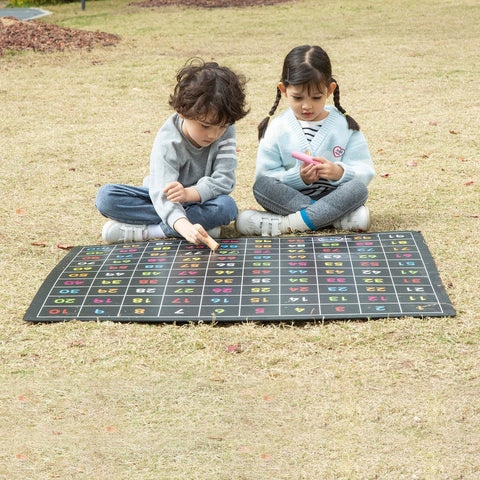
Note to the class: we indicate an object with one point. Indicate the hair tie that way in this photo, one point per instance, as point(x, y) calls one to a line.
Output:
point(269, 116)
point(345, 113)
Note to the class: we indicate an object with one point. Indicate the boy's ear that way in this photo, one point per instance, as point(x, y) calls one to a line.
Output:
point(331, 88)
point(282, 88)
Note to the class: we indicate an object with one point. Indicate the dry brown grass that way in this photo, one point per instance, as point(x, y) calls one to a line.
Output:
point(387, 399)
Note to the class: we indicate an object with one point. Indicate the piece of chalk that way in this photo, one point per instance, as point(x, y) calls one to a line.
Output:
point(210, 242)
point(304, 158)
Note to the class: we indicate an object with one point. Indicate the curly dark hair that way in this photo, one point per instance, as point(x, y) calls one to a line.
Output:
point(207, 90)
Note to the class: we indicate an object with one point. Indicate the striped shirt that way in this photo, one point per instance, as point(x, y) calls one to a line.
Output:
point(310, 129)
point(322, 186)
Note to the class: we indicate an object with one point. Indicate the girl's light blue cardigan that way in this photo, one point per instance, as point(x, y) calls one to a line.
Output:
point(334, 141)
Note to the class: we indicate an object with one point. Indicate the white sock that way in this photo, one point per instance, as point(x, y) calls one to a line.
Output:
point(293, 223)
point(155, 231)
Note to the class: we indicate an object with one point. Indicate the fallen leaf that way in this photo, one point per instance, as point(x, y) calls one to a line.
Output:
point(384, 175)
point(235, 348)
point(21, 212)
point(267, 398)
point(470, 182)
point(411, 163)
point(39, 244)
point(111, 429)
point(23, 398)
point(56, 432)
point(65, 246)
point(77, 343)
point(453, 132)
point(266, 456)
point(21, 456)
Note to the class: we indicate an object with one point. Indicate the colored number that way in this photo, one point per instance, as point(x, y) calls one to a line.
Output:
point(57, 311)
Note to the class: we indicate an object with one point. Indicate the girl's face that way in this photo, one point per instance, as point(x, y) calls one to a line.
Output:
point(201, 133)
point(307, 101)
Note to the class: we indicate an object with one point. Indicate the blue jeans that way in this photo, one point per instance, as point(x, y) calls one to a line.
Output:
point(133, 205)
point(322, 207)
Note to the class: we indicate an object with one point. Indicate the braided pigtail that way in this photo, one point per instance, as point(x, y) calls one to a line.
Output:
point(352, 124)
point(262, 126)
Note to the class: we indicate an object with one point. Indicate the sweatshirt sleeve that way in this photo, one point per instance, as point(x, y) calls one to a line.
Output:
point(274, 157)
point(219, 178)
point(165, 165)
point(356, 161)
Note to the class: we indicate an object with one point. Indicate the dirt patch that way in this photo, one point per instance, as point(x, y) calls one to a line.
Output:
point(46, 37)
point(207, 3)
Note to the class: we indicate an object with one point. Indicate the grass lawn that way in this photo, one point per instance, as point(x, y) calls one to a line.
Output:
point(384, 399)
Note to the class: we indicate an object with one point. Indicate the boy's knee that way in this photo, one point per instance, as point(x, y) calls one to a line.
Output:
point(227, 209)
point(103, 198)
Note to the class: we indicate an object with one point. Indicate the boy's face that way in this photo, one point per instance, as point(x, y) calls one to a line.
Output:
point(201, 133)
point(307, 104)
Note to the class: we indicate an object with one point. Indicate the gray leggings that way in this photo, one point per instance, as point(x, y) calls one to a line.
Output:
point(322, 207)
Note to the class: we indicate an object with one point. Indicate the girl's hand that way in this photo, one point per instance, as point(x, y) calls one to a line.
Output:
point(176, 192)
point(311, 173)
point(308, 173)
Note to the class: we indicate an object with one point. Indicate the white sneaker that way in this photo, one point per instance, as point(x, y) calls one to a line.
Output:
point(116, 232)
point(356, 221)
point(255, 222)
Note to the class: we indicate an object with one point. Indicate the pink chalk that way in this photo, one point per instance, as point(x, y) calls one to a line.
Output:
point(304, 158)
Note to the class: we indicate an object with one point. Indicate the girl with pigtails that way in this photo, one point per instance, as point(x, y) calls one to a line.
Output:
point(331, 188)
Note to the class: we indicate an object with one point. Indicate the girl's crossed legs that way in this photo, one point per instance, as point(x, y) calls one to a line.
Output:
point(294, 211)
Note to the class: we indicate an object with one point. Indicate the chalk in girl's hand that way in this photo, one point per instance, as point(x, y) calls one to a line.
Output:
point(304, 158)
point(210, 242)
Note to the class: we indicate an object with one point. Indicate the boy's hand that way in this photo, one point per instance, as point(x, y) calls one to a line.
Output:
point(193, 233)
point(311, 173)
point(176, 192)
